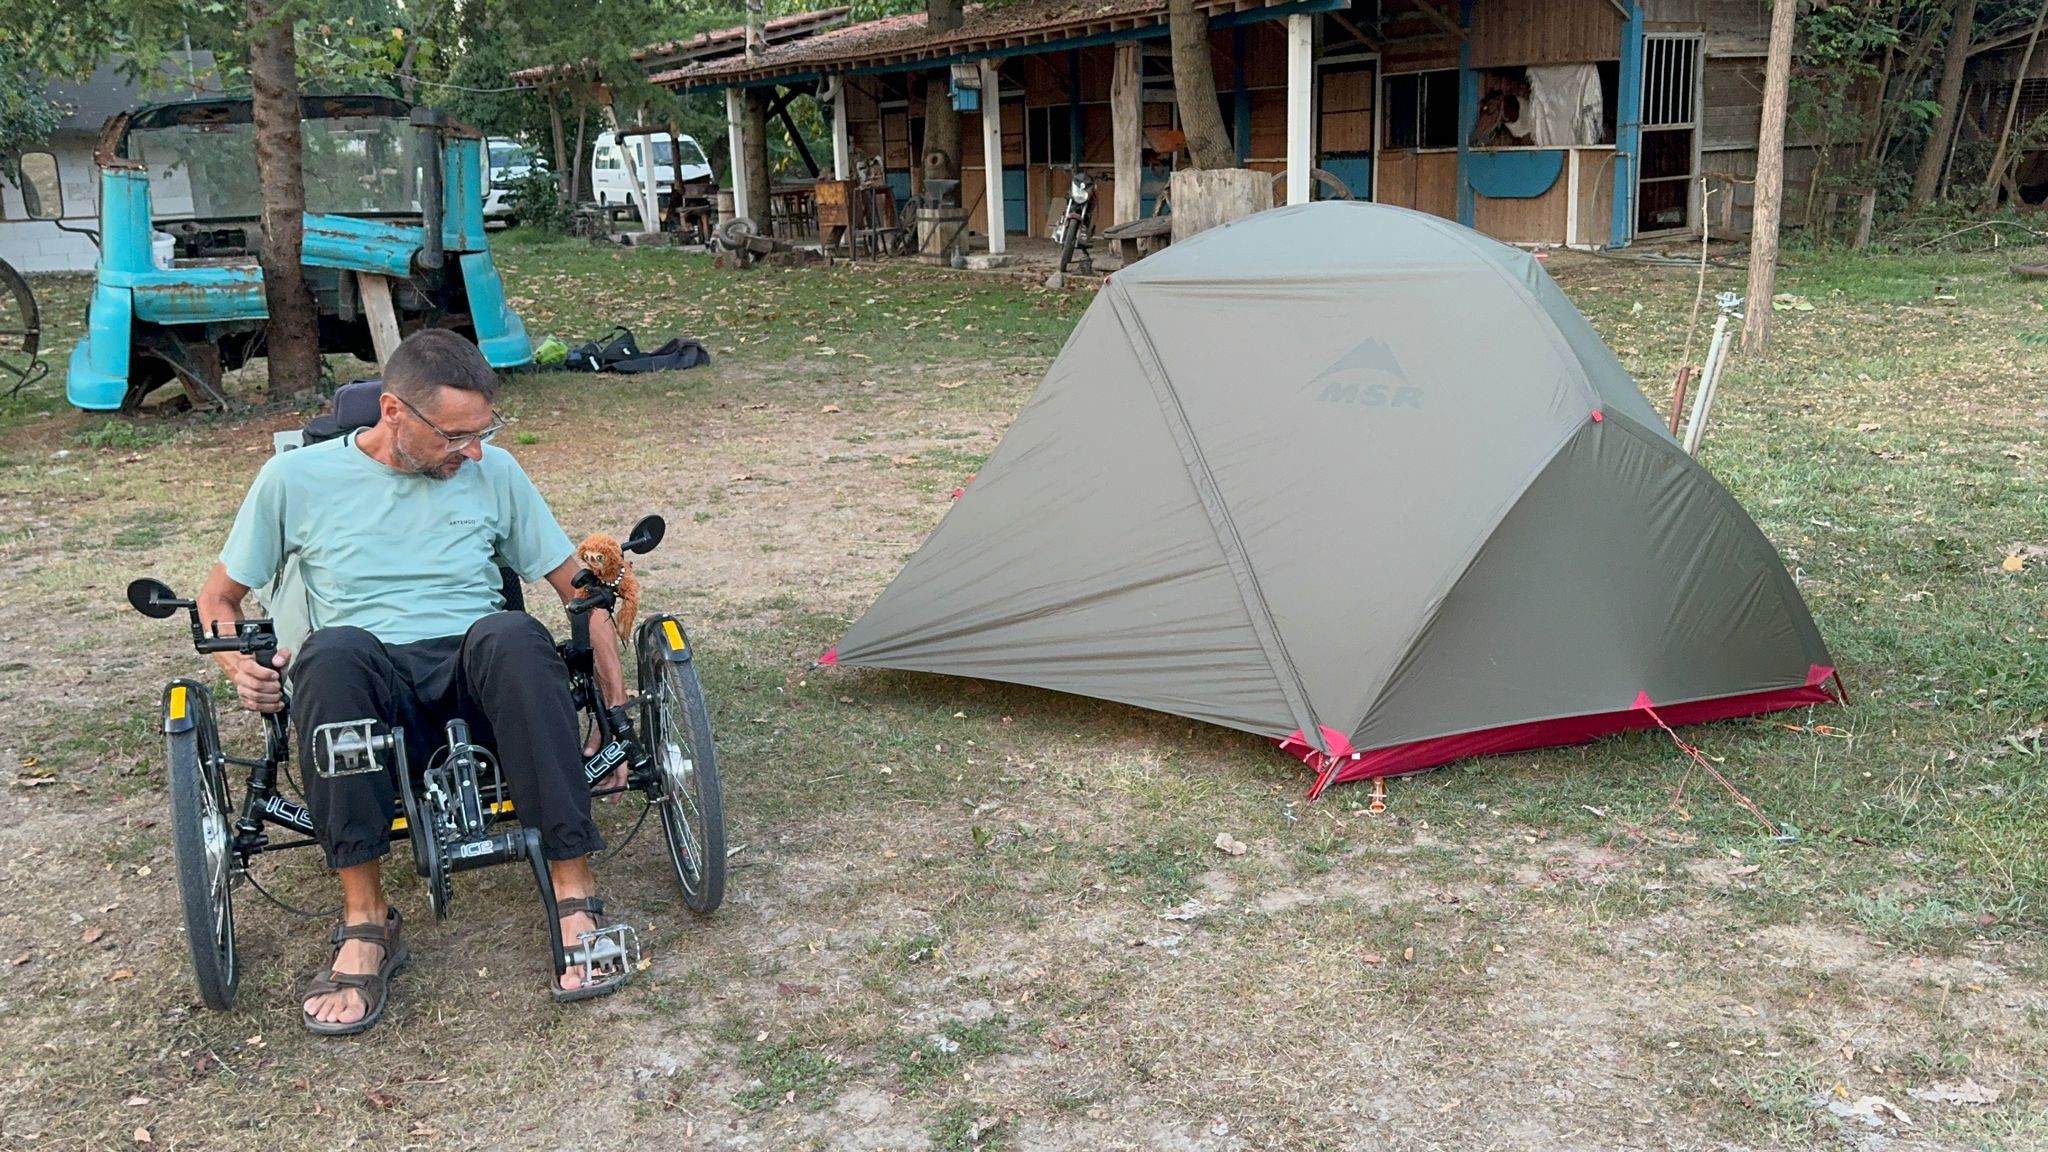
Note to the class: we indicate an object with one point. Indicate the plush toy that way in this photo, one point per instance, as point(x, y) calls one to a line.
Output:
point(604, 558)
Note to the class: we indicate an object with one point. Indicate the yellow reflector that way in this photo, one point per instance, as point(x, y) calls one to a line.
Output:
point(675, 635)
point(178, 702)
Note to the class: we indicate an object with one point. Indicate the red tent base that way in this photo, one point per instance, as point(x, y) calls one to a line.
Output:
point(1343, 763)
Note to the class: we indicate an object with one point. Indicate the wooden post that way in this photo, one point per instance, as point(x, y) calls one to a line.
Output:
point(1770, 181)
point(1126, 119)
point(742, 203)
point(1301, 84)
point(992, 158)
point(842, 141)
point(383, 318)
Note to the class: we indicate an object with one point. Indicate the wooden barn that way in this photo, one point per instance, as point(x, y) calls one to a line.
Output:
point(1589, 123)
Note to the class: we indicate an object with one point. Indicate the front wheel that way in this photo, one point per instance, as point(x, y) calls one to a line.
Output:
point(202, 839)
point(1069, 233)
point(676, 726)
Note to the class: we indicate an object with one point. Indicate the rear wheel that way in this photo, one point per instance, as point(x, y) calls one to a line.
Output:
point(202, 839)
point(676, 726)
point(21, 329)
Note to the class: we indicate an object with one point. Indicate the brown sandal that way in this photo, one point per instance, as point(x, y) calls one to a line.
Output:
point(373, 987)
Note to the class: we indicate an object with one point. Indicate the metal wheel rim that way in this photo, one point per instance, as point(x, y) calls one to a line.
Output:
point(678, 787)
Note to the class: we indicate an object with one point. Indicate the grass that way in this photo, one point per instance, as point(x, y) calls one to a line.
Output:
point(945, 924)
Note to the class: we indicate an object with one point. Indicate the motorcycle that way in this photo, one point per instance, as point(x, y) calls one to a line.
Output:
point(1076, 226)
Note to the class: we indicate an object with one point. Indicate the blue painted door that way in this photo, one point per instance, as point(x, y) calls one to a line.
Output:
point(1354, 170)
point(1016, 201)
point(1345, 125)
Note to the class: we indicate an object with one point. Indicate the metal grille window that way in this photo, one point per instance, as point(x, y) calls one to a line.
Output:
point(1670, 81)
point(2033, 101)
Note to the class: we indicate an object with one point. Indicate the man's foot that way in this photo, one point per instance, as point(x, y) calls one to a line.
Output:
point(349, 997)
point(611, 960)
point(574, 925)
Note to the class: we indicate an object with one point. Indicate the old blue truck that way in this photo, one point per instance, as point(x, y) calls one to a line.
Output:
point(394, 206)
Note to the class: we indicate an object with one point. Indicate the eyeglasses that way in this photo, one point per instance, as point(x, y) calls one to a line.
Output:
point(461, 440)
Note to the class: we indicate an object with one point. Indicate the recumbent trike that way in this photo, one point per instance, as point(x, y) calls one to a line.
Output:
point(450, 807)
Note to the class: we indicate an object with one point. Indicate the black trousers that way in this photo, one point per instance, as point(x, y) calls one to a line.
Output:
point(503, 677)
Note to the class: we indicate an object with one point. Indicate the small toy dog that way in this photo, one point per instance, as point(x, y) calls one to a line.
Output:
point(604, 558)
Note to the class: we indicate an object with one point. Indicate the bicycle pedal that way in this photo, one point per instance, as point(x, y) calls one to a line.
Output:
point(607, 953)
point(348, 748)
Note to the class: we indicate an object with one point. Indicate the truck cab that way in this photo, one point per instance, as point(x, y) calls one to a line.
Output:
point(394, 211)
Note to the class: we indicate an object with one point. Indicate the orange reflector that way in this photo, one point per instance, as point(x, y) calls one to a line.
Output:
point(178, 702)
point(675, 635)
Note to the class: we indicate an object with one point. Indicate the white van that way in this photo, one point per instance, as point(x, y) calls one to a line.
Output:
point(610, 181)
point(508, 160)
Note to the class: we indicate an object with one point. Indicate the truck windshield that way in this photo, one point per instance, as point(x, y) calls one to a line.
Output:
point(355, 166)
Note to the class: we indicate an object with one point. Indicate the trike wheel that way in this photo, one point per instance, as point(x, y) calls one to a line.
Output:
point(677, 728)
point(202, 839)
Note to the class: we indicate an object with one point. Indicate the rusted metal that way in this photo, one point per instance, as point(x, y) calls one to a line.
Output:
point(113, 135)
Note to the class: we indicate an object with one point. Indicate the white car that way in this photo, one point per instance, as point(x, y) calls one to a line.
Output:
point(509, 160)
point(612, 184)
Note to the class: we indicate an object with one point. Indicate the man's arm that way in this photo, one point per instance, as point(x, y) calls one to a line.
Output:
point(260, 689)
point(611, 677)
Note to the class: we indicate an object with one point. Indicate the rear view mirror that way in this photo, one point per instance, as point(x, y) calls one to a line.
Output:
point(42, 191)
point(646, 534)
point(153, 598)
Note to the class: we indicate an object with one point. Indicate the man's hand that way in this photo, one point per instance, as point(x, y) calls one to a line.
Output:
point(259, 689)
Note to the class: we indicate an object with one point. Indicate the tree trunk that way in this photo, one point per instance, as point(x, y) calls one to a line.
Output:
point(1770, 181)
point(1194, 88)
point(408, 84)
point(565, 179)
point(757, 29)
point(756, 131)
point(579, 187)
point(941, 158)
point(1928, 176)
point(292, 343)
point(1996, 179)
point(939, 155)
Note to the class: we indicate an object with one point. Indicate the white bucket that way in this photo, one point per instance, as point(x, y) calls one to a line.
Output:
point(163, 248)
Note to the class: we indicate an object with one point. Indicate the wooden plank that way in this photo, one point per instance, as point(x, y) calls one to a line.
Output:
point(1437, 18)
point(1126, 129)
point(383, 318)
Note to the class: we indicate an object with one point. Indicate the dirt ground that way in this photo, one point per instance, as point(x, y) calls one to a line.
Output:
point(966, 915)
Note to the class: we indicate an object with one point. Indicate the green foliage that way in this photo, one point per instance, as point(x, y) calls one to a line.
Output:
point(537, 201)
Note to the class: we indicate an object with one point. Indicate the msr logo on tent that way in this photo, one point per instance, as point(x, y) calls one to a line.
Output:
point(1368, 376)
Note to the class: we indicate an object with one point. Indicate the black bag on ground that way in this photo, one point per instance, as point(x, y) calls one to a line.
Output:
point(602, 355)
point(681, 352)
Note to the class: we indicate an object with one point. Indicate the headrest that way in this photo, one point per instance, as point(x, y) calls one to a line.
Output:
point(355, 405)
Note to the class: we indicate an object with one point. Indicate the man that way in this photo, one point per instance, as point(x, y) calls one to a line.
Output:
point(400, 530)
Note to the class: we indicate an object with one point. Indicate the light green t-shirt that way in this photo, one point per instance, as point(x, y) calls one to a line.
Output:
point(406, 557)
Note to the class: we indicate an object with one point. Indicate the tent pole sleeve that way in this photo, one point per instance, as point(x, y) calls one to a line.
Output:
point(1227, 537)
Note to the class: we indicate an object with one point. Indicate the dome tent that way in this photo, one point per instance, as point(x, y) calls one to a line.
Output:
point(1365, 482)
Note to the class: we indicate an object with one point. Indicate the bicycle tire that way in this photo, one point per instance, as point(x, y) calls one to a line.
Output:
point(676, 725)
point(202, 840)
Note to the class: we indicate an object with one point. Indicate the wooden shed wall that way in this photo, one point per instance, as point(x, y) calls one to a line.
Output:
point(1511, 32)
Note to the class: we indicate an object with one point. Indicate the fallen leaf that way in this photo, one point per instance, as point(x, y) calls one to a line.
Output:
point(831, 408)
point(1408, 954)
point(902, 461)
point(1968, 1092)
point(380, 1099)
point(1373, 958)
point(784, 988)
point(142, 871)
point(136, 1101)
point(2013, 564)
point(1229, 845)
point(1868, 427)
point(1987, 919)
point(92, 935)
point(142, 1136)
point(121, 974)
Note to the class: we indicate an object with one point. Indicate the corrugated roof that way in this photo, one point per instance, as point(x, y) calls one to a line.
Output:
point(708, 45)
point(905, 39)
